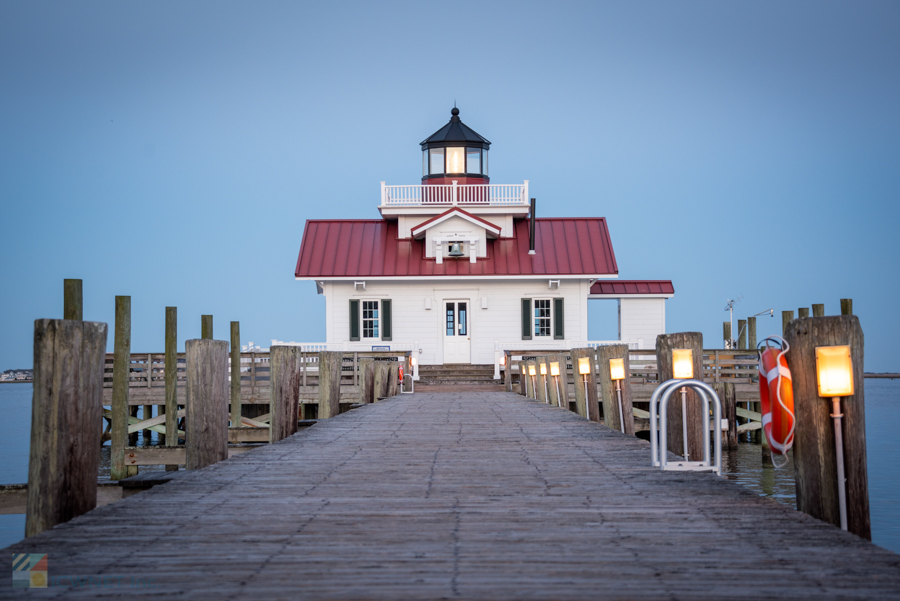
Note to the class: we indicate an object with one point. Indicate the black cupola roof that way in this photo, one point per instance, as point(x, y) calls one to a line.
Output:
point(455, 133)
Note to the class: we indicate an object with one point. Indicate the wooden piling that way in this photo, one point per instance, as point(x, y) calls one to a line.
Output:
point(73, 302)
point(541, 380)
point(507, 372)
point(608, 395)
point(587, 406)
point(696, 421)
point(119, 403)
point(846, 306)
point(330, 364)
point(726, 332)
point(814, 448)
point(206, 327)
point(742, 334)
point(564, 378)
point(206, 403)
point(171, 380)
point(751, 333)
point(284, 391)
point(818, 310)
point(728, 398)
point(803, 312)
point(66, 413)
point(523, 375)
point(236, 374)
point(394, 379)
point(553, 392)
point(530, 388)
point(786, 318)
point(367, 380)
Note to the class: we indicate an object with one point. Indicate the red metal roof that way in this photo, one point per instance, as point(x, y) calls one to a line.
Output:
point(618, 287)
point(369, 248)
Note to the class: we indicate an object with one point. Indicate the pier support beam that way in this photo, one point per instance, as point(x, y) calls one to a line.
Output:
point(73, 302)
point(815, 461)
point(367, 380)
point(665, 343)
point(330, 364)
point(236, 374)
point(284, 391)
point(727, 396)
point(66, 413)
point(608, 394)
point(171, 374)
point(206, 411)
point(119, 404)
point(586, 401)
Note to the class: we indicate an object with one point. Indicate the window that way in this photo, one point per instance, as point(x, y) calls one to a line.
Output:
point(451, 319)
point(436, 156)
point(542, 317)
point(473, 160)
point(456, 160)
point(370, 319)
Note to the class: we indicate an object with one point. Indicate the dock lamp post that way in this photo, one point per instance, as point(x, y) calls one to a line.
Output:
point(554, 372)
point(834, 376)
point(584, 368)
point(683, 369)
point(532, 372)
point(617, 374)
point(546, 389)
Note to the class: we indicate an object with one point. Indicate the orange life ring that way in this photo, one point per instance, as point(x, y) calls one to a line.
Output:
point(777, 396)
point(401, 374)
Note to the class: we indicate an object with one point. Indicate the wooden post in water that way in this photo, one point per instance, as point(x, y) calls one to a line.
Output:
point(119, 404)
point(206, 410)
point(726, 332)
point(586, 401)
point(665, 343)
point(541, 380)
point(330, 364)
point(815, 471)
point(608, 394)
point(803, 312)
point(66, 413)
point(367, 380)
point(171, 372)
point(73, 303)
point(727, 396)
point(742, 334)
point(846, 306)
point(751, 333)
point(284, 391)
point(206, 327)
point(236, 375)
point(786, 318)
point(818, 310)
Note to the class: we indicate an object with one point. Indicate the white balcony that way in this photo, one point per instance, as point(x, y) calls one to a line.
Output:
point(482, 195)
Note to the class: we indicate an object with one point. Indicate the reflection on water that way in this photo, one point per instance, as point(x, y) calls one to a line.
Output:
point(745, 466)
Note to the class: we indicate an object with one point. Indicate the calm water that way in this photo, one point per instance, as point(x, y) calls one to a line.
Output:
point(743, 465)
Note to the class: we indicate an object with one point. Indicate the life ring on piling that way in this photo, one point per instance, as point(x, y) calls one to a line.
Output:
point(401, 374)
point(776, 394)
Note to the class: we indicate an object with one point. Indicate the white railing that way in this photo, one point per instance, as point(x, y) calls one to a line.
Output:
point(454, 194)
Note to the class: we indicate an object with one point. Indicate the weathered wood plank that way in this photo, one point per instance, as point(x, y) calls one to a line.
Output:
point(329, 384)
point(284, 362)
point(206, 416)
point(121, 368)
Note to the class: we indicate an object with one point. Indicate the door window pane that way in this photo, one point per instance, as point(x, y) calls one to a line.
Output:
point(542, 317)
point(456, 160)
point(451, 319)
point(462, 319)
point(370, 319)
point(473, 160)
point(437, 160)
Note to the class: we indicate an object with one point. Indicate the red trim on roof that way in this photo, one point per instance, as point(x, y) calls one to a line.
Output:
point(358, 248)
point(486, 224)
point(619, 287)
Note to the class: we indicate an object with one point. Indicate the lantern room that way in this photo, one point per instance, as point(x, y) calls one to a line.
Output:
point(455, 152)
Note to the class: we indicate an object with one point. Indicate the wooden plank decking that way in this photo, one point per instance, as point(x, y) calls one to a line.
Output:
point(456, 496)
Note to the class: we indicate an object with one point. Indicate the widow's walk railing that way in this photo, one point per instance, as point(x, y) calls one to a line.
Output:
point(454, 194)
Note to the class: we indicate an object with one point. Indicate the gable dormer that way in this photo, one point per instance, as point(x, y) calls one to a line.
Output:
point(455, 234)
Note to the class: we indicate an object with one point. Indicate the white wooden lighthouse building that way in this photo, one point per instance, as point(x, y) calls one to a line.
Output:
point(458, 268)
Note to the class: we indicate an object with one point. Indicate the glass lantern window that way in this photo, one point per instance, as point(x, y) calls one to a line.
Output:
point(473, 160)
point(456, 160)
point(484, 167)
point(436, 163)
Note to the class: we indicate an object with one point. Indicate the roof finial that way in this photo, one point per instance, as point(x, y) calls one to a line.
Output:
point(454, 111)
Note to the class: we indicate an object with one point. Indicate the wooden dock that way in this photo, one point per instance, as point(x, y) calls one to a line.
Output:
point(454, 496)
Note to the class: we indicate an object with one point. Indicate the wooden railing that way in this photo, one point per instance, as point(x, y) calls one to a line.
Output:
point(453, 194)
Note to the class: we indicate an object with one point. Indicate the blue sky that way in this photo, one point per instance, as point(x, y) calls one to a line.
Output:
point(172, 151)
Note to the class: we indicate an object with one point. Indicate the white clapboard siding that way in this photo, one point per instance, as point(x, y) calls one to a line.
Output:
point(642, 318)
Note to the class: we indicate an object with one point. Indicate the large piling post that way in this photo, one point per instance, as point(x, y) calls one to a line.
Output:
point(609, 394)
point(366, 380)
point(726, 333)
point(818, 310)
point(815, 459)
point(696, 421)
point(206, 411)
point(171, 373)
point(751, 333)
point(803, 312)
point(330, 364)
point(553, 392)
point(726, 393)
point(284, 391)
point(236, 374)
point(786, 318)
point(73, 301)
point(119, 404)
point(541, 379)
point(586, 402)
point(394, 378)
point(742, 334)
point(507, 372)
point(523, 375)
point(564, 378)
point(846, 306)
point(66, 413)
point(206, 327)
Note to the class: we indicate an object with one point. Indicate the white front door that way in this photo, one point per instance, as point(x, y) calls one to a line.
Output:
point(456, 332)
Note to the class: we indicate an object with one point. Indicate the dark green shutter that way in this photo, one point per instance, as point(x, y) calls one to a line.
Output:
point(526, 319)
point(354, 320)
point(385, 319)
point(559, 330)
